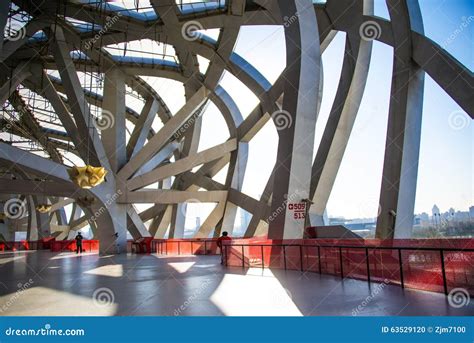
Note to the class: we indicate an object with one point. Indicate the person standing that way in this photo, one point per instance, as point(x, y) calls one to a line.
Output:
point(79, 239)
point(224, 237)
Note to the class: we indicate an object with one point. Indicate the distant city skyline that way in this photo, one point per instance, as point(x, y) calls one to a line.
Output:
point(469, 210)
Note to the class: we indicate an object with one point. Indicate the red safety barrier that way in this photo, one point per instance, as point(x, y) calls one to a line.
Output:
point(41, 244)
point(436, 265)
point(87, 245)
point(15, 246)
point(194, 246)
point(129, 245)
point(46, 242)
point(142, 245)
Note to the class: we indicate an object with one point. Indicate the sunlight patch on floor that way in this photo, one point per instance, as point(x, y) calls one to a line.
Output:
point(64, 255)
point(181, 267)
point(106, 256)
point(10, 259)
point(259, 272)
point(40, 301)
point(248, 295)
point(113, 270)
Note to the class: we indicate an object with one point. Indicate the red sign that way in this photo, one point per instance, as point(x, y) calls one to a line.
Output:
point(298, 209)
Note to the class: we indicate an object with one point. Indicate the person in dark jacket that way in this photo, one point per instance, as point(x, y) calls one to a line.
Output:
point(79, 239)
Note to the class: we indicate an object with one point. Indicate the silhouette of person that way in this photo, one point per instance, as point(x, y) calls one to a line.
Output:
point(79, 239)
point(224, 237)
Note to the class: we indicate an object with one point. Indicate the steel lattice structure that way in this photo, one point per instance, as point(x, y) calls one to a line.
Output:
point(66, 74)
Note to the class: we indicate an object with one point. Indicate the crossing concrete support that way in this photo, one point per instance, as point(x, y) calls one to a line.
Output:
point(57, 208)
point(142, 127)
point(17, 76)
point(112, 121)
point(402, 149)
point(33, 233)
point(43, 220)
point(168, 11)
point(4, 8)
point(355, 69)
point(5, 226)
point(115, 145)
point(299, 112)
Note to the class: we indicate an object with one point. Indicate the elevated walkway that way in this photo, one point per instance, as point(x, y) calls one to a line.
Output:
point(150, 284)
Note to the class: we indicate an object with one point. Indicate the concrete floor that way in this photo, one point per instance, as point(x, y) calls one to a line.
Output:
point(49, 284)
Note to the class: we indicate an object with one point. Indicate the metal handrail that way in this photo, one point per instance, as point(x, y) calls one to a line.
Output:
point(165, 242)
point(351, 247)
point(341, 247)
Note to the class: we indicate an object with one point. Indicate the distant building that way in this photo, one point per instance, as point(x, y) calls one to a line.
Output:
point(416, 221)
point(425, 217)
point(436, 215)
point(461, 216)
point(325, 217)
point(246, 217)
point(337, 221)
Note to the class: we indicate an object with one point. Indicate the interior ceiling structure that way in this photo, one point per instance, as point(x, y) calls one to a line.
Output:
point(69, 70)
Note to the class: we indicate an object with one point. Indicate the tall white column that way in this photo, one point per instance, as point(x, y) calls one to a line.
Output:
point(296, 122)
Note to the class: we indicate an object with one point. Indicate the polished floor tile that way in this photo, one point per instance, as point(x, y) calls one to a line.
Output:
point(43, 283)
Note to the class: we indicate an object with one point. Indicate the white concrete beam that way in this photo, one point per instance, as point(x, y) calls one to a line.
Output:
point(170, 197)
point(142, 127)
point(181, 165)
point(162, 137)
point(300, 104)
